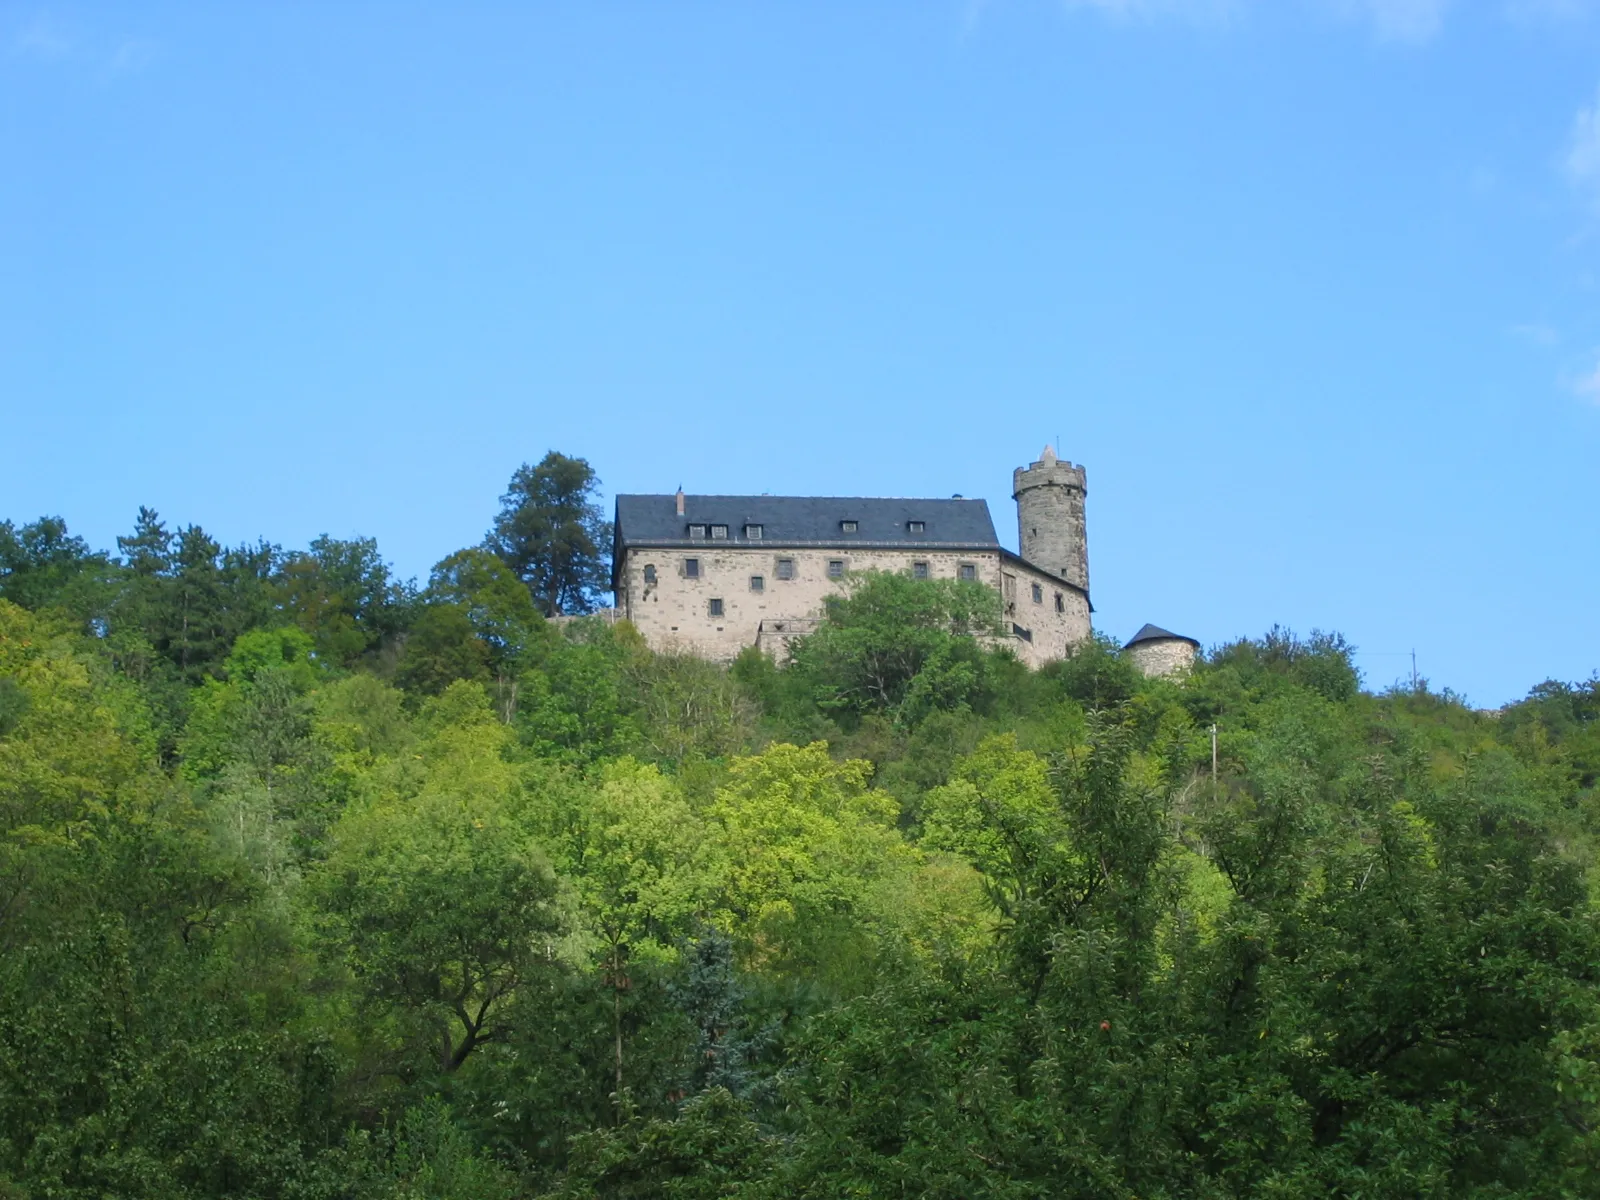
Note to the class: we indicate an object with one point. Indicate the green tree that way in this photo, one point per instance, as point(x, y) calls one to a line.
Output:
point(712, 1150)
point(143, 1046)
point(646, 871)
point(250, 749)
point(688, 706)
point(341, 592)
point(1558, 725)
point(148, 548)
point(439, 902)
point(577, 701)
point(1001, 812)
point(425, 1155)
point(724, 1051)
point(500, 612)
point(904, 646)
point(260, 712)
point(191, 598)
point(43, 566)
point(553, 534)
point(442, 647)
point(818, 877)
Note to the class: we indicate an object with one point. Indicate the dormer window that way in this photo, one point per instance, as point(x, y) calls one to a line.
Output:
point(753, 532)
point(847, 526)
point(697, 531)
point(719, 531)
point(916, 527)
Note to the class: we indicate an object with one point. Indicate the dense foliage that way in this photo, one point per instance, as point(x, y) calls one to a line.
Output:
point(317, 884)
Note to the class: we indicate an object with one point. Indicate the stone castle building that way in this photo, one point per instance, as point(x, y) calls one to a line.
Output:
point(711, 575)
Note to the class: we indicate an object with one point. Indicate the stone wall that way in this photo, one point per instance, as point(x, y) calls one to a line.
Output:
point(1052, 530)
point(1162, 656)
point(675, 611)
point(1053, 618)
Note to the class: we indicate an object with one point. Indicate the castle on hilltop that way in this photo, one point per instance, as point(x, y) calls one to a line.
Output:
point(711, 575)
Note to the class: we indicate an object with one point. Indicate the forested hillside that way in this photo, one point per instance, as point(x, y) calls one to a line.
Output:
point(315, 883)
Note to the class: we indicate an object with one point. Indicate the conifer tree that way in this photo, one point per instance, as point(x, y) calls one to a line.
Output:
point(553, 534)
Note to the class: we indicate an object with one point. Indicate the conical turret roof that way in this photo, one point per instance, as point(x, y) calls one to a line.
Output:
point(1154, 633)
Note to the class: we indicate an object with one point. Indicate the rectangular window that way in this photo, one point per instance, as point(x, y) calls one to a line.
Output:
point(697, 531)
point(836, 568)
point(650, 573)
point(915, 527)
point(691, 568)
point(1061, 604)
point(1038, 594)
point(786, 568)
point(919, 570)
point(719, 531)
point(753, 532)
point(968, 571)
point(716, 607)
point(757, 583)
point(847, 526)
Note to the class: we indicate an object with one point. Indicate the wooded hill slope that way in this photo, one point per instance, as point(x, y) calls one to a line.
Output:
point(316, 885)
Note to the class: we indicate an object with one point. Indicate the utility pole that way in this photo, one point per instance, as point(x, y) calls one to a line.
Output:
point(1413, 668)
point(1213, 760)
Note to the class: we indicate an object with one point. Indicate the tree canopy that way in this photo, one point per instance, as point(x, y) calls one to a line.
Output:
point(317, 884)
point(552, 533)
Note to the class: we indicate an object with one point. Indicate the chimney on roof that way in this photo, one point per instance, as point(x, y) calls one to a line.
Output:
point(680, 499)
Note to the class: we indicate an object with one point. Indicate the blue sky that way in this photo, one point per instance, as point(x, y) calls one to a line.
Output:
point(1312, 287)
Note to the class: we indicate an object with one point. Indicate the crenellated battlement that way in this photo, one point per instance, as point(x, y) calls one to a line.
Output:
point(1048, 472)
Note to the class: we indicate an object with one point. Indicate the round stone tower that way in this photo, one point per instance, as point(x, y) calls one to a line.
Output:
point(1158, 651)
point(1050, 524)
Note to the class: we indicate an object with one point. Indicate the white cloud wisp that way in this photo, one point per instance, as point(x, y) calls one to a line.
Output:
point(1391, 20)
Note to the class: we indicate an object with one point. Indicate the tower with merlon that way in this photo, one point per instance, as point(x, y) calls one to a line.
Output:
point(1051, 528)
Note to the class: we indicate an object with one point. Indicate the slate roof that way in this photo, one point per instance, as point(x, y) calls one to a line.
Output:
point(1154, 633)
point(1012, 556)
point(810, 521)
point(807, 521)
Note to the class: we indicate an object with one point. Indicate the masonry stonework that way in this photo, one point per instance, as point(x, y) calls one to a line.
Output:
point(1157, 651)
point(1168, 656)
point(710, 575)
point(1052, 530)
point(675, 612)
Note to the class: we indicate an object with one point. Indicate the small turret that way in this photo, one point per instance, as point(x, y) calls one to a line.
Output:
point(1157, 651)
point(1051, 528)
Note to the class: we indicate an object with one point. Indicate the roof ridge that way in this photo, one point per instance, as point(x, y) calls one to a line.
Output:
point(1154, 633)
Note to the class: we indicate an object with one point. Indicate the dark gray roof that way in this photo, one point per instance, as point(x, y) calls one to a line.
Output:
point(954, 524)
point(1013, 556)
point(807, 521)
point(1154, 633)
